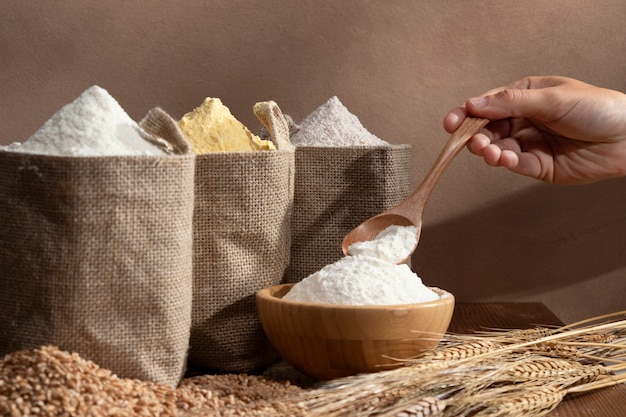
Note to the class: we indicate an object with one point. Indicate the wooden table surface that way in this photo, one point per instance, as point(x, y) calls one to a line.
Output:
point(469, 317)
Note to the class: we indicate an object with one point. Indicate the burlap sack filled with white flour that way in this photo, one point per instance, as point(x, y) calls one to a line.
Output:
point(96, 255)
point(242, 226)
point(344, 175)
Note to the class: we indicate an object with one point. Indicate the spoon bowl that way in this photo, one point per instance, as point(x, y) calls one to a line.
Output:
point(369, 229)
point(410, 211)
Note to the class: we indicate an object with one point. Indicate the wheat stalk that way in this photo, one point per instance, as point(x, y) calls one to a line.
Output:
point(463, 351)
point(496, 373)
point(425, 407)
point(518, 402)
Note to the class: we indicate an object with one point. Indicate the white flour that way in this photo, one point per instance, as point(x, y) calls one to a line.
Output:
point(368, 278)
point(393, 244)
point(332, 124)
point(94, 124)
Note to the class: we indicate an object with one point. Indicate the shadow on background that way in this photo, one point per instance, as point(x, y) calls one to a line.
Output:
point(538, 240)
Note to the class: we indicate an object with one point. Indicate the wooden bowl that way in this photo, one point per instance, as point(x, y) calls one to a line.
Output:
point(326, 341)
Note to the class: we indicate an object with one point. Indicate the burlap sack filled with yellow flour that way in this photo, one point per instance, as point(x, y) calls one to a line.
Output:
point(241, 236)
point(344, 175)
point(96, 253)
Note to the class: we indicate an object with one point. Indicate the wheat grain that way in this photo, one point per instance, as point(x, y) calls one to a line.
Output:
point(567, 372)
point(555, 349)
point(597, 338)
point(520, 335)
point(50, 382)
point(463, 350)
point(425, 407)
point(536, 402)
point(539, 367)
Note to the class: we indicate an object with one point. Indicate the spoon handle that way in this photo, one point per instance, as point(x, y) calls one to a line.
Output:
point(413, 206)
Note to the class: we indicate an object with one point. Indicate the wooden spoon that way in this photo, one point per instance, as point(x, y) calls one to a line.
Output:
point(410, 211)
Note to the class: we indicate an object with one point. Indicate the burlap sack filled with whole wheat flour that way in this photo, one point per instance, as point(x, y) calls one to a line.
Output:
point(242, 224)
point(96, 255)
point(344, 175)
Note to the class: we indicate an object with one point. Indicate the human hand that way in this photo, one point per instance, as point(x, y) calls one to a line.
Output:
point(555, 129)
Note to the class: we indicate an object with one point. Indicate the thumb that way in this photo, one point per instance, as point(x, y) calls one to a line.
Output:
point(527, 103)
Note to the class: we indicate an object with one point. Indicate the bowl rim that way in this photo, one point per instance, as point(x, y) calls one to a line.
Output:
point(266, 294)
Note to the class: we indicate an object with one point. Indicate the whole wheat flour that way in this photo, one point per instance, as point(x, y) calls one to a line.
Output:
point(370, 277)
point(332, 124)
point(94, 124)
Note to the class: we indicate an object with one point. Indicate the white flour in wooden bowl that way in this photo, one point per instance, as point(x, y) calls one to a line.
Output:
point(94, 124)
point(332, 124)
point(369, 276)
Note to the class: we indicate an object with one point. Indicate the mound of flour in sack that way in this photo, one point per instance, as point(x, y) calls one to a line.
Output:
point(332, 124)
point(94, 124)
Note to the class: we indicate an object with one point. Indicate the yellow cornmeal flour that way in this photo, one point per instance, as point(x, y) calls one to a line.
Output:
point(212, 128)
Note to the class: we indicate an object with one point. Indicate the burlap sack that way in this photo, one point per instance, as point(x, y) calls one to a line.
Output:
point(96, 256)
point(242, 224)
point(336, 189)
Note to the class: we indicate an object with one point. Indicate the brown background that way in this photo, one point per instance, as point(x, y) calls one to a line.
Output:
point(399, 65)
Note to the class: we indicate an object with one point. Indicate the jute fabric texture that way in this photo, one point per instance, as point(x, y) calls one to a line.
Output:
point(96, 256)
point(337, 188)
point(242, 224)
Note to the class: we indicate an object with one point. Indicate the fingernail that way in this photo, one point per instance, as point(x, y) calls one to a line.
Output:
point(478, 102)
point(454, 118)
